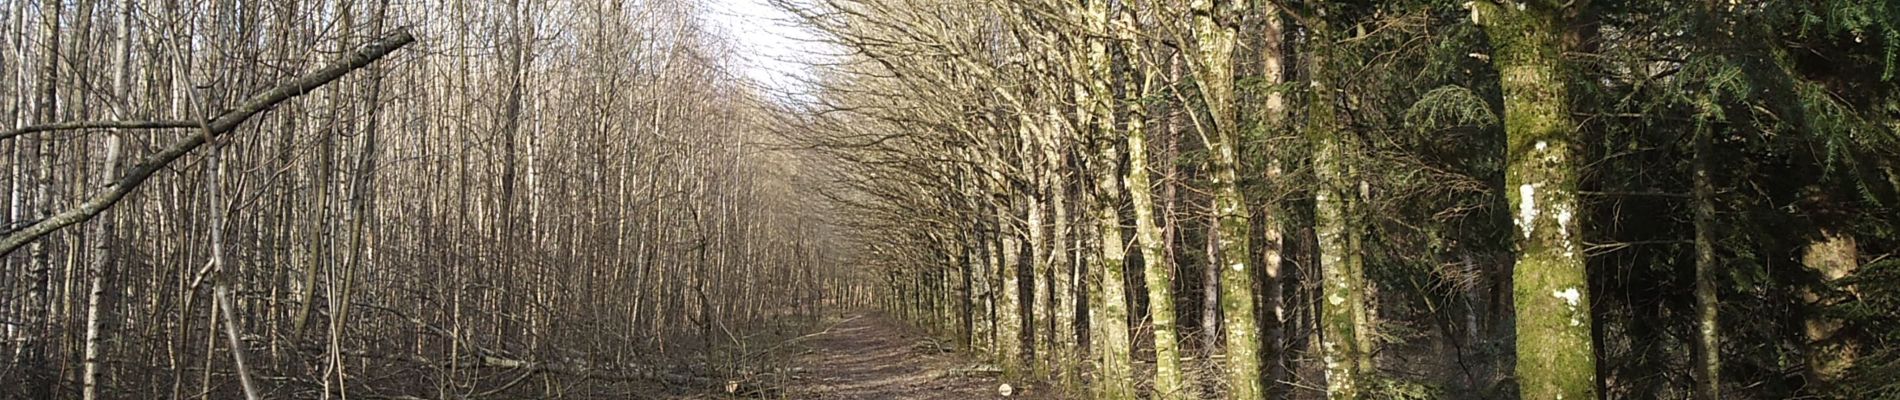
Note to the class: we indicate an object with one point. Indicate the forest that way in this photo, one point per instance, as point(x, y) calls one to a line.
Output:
point(950, 199)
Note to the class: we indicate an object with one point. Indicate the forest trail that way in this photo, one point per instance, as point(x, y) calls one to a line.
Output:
point(868, 356)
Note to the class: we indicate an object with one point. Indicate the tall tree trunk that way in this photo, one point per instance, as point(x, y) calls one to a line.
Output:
point(1027, 264)
point(39, 296)
point(966, 306)
point(1337, 224)
point(1273, 114)
point(1216, 32)
point(1556, 357)
point(1170, 382)
point(222, 279)
point(101, 232)
point(102, 245)
point(1059, 277)
point(1009, 317)
point(1108, 303)
point(1708, 348)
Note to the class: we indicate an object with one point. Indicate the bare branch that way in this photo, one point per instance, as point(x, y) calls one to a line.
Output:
point(76, 125)
point(222, 124)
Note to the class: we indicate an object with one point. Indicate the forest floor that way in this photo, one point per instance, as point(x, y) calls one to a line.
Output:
point(868, 356)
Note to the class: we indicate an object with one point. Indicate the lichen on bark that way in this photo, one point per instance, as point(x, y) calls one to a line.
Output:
point(1556, 357)
point(1215, 73)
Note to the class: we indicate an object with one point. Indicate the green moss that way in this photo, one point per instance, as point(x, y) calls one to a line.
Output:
point(1556, 359)
point(1169, 381)
point(1215, 74)
point(1342, 314)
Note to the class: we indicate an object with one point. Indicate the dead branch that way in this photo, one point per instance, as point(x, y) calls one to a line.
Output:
point(64, 126)
point(222, 124)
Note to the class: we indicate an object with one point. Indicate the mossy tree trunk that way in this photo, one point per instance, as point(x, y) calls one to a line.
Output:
point(1170, 382)
point(1272, 235)
point(1030, 288)
point(1059, 276)
point(1337, 225)
point(1556, 358)
point(1215, 28)
point(1108, 304)
point(1009, 317)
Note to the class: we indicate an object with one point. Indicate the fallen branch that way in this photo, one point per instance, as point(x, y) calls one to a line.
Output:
point(579, 371)
point(576, 370)
point(222, 124)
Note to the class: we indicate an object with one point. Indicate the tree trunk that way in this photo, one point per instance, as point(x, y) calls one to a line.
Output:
point(1273, 114)
point(1060, 275)
point(1555, 354)
point(1337, 224)
point(1708, 348)
point(1216, 36)
point(1108, 305)
point(1009, 317)
point(1170, 383)
point(1834, 256)
point(1108, 301)
point(221, 280)
point(39, 297)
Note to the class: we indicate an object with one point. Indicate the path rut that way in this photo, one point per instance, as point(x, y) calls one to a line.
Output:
point(867, 356)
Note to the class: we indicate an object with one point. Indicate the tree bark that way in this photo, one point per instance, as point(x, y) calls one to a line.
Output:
point(1337, 224)
point(221, 280)
point(1273, 113)
point(1556, 357)
point(1215, 33)
point(1835, 255)
point(101, 233)
point(1108, 301)
point(1708, 346)
point(1170, 383)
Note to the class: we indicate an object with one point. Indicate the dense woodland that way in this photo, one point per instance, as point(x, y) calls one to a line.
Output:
point(501, 199)
point(1531, 199)
point(1113, 199)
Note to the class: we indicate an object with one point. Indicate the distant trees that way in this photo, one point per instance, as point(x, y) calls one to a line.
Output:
point(318, 199)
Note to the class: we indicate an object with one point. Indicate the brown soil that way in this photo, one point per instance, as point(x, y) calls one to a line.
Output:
point(867, 356)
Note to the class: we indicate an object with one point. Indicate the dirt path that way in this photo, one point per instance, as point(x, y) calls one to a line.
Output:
point(866, 356)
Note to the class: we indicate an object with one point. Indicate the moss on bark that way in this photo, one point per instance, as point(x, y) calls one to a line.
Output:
point(1216, 77)
point(1555, 357)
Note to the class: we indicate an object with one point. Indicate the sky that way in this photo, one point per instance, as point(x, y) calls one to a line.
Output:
point(774, 51)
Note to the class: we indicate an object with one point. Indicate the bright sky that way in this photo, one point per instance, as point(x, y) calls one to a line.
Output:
point(775, 50)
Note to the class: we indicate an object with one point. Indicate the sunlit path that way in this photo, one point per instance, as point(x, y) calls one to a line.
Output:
point(867, 356)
